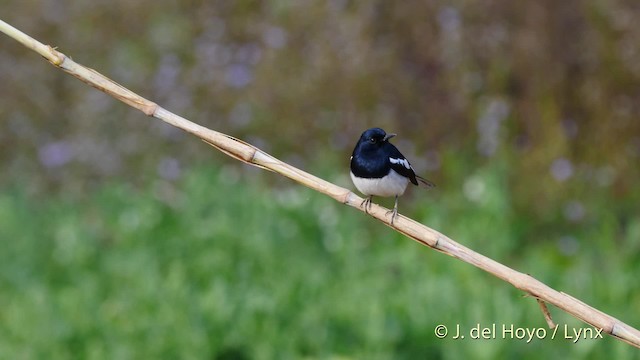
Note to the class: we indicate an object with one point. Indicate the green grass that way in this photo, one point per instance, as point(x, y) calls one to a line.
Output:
point(208, 268)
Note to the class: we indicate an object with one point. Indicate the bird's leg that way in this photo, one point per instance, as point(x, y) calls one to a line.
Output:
point(394, 212)
point(366, 203)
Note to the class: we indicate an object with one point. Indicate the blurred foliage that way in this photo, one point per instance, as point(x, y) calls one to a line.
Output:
point(525, 114)
point(209, 267)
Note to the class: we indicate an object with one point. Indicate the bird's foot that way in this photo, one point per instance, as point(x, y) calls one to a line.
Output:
point(366, 203)
point(394, 214)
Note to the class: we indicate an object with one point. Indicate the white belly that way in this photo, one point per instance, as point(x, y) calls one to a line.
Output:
point(390, 185)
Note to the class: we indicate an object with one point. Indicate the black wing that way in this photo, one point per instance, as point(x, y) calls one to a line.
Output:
point(401, 165)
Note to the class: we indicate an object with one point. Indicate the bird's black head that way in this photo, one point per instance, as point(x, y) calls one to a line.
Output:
point(374, 137)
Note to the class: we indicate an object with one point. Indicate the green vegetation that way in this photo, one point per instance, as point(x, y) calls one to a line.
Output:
point(124, 238)
point(220, 265)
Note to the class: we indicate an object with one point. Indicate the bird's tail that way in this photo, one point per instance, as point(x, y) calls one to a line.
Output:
point(425, 182)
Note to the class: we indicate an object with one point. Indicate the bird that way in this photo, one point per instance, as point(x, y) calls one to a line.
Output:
point(378, 168)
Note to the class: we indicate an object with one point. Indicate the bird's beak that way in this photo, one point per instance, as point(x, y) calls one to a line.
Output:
point(389, 136)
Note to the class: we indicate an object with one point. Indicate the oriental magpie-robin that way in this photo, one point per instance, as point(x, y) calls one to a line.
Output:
point(379, 169)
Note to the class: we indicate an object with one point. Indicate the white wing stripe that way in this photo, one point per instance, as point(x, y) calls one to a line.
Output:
point(404, 162)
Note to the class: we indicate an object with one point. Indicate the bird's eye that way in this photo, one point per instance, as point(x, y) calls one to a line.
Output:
point(373, 140)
